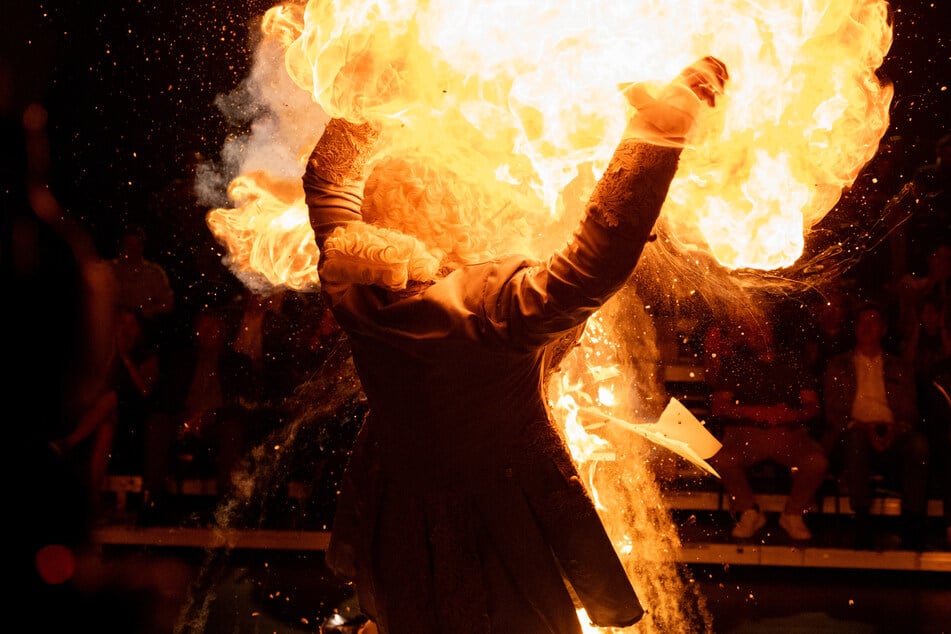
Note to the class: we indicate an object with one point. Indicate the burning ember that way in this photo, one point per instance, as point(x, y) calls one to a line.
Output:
point(518, 104)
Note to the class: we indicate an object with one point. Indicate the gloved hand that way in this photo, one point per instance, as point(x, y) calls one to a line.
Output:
point(668, 117)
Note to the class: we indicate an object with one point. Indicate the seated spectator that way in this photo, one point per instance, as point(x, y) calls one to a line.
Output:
point(142, 284)
point(116, 414)
point(765, 400)
point(929, 340)
point(189, 415)
point(61, 308)
point(924, 348)
point(226, 392)
point(827, 331)
point(871, 416)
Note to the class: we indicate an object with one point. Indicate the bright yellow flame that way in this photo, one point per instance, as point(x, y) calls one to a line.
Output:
point(523, 95)
point(271, 229)
point(584, 445)
point(586, 627)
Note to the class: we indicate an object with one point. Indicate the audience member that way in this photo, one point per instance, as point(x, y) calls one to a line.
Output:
point(928, 343)
point(113, 422)
point(829, 331)
point(142, 284)
point(61, 296)
point(257, 361)
point(189, 418)
point(47, 268)
point(765, 399)
point(927, 349)
point(224, 391)
point(872, 416)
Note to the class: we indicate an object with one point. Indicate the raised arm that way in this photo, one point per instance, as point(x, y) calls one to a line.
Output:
point(620, 214)
point(334, 177)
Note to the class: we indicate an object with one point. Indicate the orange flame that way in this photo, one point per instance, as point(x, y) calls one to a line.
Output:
point(522, 97)
point(525, 97)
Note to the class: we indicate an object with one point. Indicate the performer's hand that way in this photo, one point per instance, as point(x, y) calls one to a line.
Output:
point(668, 117)
point(706, 78)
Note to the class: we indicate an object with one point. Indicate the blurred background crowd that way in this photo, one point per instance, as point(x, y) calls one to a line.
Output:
point(134, 350)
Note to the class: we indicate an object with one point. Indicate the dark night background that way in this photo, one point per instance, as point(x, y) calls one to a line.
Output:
point(130, 89)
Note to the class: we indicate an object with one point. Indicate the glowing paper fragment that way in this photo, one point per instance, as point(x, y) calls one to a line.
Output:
point(678, 430)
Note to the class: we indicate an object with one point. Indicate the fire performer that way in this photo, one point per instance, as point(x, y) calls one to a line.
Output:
point(461, 510)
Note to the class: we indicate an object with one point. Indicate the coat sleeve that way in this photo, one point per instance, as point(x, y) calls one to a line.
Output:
point(538, 304)
point(334, 177)
point(534, 305)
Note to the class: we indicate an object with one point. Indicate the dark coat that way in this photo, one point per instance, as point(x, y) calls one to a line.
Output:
point(841, 384)
point(461, 509)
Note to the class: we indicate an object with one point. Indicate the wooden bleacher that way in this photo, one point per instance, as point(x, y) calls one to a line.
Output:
point(700, 552)
point(120, 487)
point(687, 493)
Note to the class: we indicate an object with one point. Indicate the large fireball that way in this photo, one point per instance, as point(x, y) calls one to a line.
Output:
point(524, 97)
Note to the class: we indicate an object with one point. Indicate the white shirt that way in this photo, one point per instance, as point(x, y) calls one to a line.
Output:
point(870, 404)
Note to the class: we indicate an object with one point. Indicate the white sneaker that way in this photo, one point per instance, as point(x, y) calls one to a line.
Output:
point(794, 526)
point(751, 521)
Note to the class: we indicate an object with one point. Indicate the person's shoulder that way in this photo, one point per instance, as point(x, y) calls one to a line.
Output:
point(152, 265)
point(484, 288)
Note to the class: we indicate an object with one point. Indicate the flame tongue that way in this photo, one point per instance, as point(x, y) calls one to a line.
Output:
point(517, 103)
point(523, 97)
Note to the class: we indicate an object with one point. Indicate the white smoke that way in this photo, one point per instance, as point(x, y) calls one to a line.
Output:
point(276, 124)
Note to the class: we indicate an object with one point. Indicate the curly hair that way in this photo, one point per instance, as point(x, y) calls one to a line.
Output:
point(458, 219)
